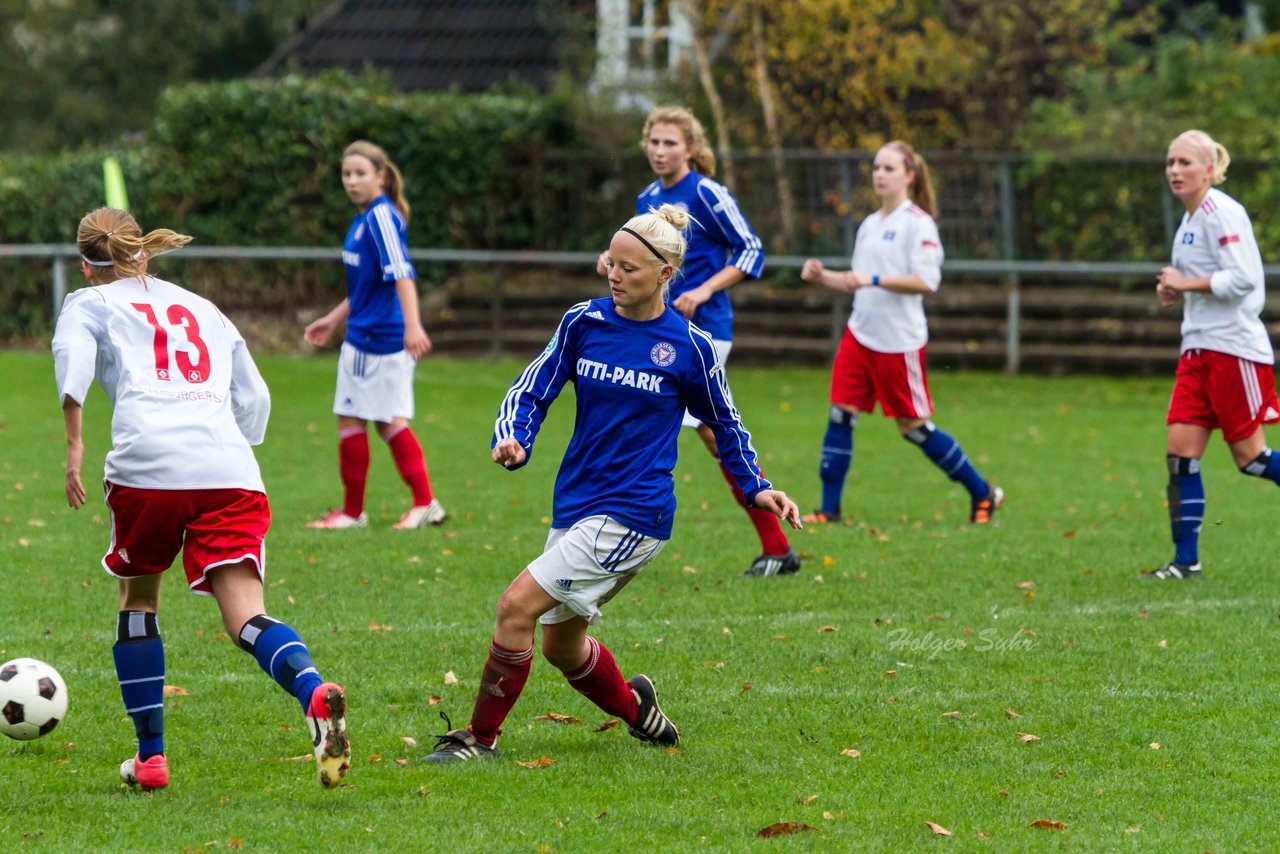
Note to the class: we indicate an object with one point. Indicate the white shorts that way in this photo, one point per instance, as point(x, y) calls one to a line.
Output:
point(585, 566)
point(374, 388)
point(722, 352)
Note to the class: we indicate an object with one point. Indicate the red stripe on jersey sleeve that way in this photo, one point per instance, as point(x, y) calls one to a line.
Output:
point(1230, 238)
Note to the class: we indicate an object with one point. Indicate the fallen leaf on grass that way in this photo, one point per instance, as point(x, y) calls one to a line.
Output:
point(1137, 828)
point(952, 715)
point(849, 751)
point(433, 700)
point(402, 762)
point(1011, 714)
point(557, 718)
point(235, 843)
point(828, 560)
point(607, 725)
point(306, 757)
point(938, 830)
point(746, 686)
point(1026, 737)
point(540, 762)
point(377, 627)
point(175, 691)
point(409, 740)
point(801, 799)
point(1155, 745)
point(450, 678)
point(782, 828)
point(828, 629)
point(1047, 824)
point(891, 673)
point(1026, 585)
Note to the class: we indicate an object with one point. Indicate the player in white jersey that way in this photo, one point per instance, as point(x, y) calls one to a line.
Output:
point(1225, 376)
point(188, 402)
point(383, 342)
point(897, 260)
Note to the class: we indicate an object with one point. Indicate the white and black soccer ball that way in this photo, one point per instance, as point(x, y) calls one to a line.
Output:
point(33, 698)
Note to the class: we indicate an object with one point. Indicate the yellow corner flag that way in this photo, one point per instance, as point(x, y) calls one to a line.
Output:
point(113, 177)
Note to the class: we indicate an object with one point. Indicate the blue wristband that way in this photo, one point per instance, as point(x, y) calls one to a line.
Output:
point(875, 281)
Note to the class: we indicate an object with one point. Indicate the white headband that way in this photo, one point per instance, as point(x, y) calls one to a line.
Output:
point(136, 256)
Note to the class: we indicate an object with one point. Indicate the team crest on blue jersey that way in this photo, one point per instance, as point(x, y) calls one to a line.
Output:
point(551, 345)
point(662, 354)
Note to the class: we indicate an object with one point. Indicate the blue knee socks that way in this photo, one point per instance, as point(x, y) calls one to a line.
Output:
point(1186, 508)
point(139, 657)
point(1267, 465)
point(948, 456)
point(282, 654)
point(837, 454)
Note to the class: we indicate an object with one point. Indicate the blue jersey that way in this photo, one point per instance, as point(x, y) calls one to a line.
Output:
point(719, 236)
point(633, 381)
point(375, 254)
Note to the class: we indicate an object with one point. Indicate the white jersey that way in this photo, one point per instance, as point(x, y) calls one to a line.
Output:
point(903, 243)
point(1216, 240)
point(188, 400)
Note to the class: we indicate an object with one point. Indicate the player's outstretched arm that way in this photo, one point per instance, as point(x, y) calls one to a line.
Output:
point(318, 331)
point(72, 414)
point(777, 503)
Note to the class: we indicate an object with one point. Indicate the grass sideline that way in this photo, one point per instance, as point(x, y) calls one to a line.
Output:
point(1151, 701)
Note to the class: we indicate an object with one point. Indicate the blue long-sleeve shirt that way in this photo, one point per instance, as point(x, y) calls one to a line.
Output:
point(375, 255)
point(633, 381)
point(719, 236)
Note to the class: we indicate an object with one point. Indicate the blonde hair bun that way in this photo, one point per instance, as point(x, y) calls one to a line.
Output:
point(675, 216)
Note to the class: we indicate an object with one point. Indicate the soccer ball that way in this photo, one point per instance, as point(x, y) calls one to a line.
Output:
point(33, 698)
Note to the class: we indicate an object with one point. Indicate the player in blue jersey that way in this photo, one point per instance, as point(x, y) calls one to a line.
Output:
point(722, 251)
point(636, 366)
point(383, 343)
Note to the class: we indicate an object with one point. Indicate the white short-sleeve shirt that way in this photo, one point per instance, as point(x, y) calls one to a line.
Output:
point(903, 242)
point(187, 398)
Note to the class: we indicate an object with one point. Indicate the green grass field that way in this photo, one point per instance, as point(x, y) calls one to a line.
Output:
point(922, 644)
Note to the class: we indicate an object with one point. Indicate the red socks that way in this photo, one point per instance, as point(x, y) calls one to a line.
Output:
point(601, 682)
point(772, 540)
point(353, 466)
point(410, 462)
point(505, 672)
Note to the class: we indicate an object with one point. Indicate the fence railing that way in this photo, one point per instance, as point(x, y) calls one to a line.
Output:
point(1009, 272)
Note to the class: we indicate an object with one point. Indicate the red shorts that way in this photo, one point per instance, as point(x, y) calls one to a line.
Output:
point(1217, 390)
point(861, 376)
point(211, 527)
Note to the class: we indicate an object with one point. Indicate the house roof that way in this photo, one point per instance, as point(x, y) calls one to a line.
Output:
point(428, 44)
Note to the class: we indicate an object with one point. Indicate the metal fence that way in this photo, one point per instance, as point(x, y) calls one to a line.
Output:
point(1011, 272)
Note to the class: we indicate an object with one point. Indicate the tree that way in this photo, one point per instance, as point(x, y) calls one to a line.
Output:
point(80, 71)
point(942, 73)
